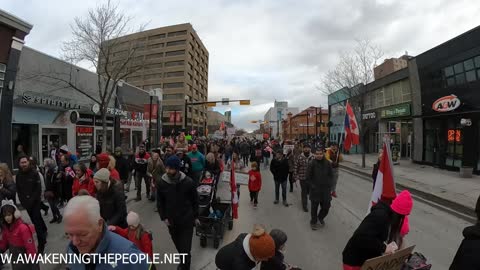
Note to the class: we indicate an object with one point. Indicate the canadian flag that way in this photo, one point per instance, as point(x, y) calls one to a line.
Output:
point(384, 189)
point(351, 129)
point(233, 188)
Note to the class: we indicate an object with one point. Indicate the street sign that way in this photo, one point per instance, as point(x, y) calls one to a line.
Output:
point(245, 102)
point(225, 101)
point(211, 104)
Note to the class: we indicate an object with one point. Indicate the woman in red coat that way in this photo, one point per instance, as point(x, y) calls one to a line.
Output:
point(83, 180)
point(254, 183)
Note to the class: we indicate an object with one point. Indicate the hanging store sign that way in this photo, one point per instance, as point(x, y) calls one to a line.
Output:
point(369, 116)
point(396, 111)
point(51, 102)
point(131, 123)
point(446, 104)
point(84, 142)
point(117, 112)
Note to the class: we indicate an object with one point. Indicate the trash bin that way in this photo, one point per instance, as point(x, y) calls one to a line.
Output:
point(466, 172)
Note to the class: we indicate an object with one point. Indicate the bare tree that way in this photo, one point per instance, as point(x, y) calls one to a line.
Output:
point(97, 41)
point(351, 75)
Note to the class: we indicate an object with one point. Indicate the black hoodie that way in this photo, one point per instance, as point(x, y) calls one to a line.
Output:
point(467, 257)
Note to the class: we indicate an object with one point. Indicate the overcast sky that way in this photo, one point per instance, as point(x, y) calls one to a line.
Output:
point(271, 49)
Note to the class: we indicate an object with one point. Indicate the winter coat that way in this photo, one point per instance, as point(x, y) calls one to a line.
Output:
point(186, 165)
point(156, 170)
point(85, 183)
point(145, 242)
point(291, 162)
point(110, 243)
point(332, 157)
point(141, 163)
point(279, 169)
point(198, 161)
point(301, 165)
point(467, 257)
point(18, 238)
point(244, 148)
point(177, 199)
point(275, 263)
point(254, 181)
point(213, 168)
point(29, 187)
point(234, 256)
point(122, 165)
point(368, 241)
point(66, 181)
point(114, 174)
point(113, 207)
point(320, 179)
point(8, 191)
point(53, 185)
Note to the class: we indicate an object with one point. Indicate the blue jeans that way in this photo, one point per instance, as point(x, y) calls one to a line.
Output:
point(284, 190)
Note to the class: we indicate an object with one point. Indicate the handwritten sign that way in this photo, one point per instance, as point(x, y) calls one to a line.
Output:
point(393, 261)
point(240, 178)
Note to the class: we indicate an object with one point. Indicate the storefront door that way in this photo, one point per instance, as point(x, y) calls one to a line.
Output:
point(99, 139)
point(137, 138)
point(51, 137)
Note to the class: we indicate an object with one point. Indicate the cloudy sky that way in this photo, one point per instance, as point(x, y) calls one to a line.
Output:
point(271, 49)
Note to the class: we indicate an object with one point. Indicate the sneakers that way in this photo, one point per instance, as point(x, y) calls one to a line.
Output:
point(285, 203)
point(314, 227)
point(275, 202)
point(59, 219)
point(255, 206)
point(334, 194)
point(305, 209)
point(54, 220)
point(322, 222)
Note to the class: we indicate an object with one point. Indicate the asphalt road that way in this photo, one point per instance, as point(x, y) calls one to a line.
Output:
point(435, 233)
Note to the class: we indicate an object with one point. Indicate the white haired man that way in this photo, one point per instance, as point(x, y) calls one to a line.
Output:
point(88, 233)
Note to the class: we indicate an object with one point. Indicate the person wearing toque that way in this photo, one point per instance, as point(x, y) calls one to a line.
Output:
point(111, 197)
point(177, 203)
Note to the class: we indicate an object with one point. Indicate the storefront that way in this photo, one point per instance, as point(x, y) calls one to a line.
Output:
point(396, 122)
point(132, 133)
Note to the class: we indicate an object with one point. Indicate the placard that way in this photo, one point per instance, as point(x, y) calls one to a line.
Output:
point(240, 178)
point(287, 147)
point(393, 261)
point(84, 143)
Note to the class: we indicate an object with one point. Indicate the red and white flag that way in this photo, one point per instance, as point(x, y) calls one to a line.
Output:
point(384, 189)
point(233, 188)
point(352, 136)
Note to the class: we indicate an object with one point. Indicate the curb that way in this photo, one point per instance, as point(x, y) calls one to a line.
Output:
point(466, 210)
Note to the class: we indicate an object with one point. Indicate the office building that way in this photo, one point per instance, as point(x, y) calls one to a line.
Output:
point(274, 116)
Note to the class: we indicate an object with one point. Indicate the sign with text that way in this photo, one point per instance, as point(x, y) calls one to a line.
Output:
point(175, 117)
point(446, 104)
point(84, 142)
point(146, 111)
point(368, 116)
point(288, 147)
point(396, 111)
point(393, 261)
point(240, 178)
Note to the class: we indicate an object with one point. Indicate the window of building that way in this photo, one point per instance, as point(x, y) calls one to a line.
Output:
point(463, 72)
point(159, 36)
point(133, 78)
point(152, 76)
point(174, 74)
point(156, 46)
point(477, 61)
point(155, 55)
point(177, 33)
point(153, 66)
point(380, 99)
point(458, 68)
point(460, 78)
point(174, 53)
point(190, 76)
point(152, 86)
point(176, 43)
point(173, 96)
point(174, 63)
point(173, 85)
point(173, 108)
point(471, 76)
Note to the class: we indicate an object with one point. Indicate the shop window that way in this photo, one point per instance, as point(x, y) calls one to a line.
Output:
point(477, 61)
point(471, 76)
point(458, 68)
point(468, 65)
point(450, 81)
point(448, 71)
point(460, 78)
point(24, 141)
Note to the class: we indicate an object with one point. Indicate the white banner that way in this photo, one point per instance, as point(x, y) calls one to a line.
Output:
point(240, 178)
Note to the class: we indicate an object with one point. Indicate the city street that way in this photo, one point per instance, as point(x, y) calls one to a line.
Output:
point(436, 234)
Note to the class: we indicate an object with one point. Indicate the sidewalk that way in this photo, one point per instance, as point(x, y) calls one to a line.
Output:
point(441, 186)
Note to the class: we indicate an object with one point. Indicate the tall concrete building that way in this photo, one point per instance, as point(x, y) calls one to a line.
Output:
point(176, 60)
point(274, 116)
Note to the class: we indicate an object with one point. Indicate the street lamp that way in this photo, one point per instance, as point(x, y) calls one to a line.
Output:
point(159, 94)
point(185, 120)
point(152, 94)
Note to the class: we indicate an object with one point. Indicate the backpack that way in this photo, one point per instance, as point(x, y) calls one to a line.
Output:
point(416, 261)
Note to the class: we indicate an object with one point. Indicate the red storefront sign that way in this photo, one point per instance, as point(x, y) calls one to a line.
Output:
point(146, 111)
point(175, 117)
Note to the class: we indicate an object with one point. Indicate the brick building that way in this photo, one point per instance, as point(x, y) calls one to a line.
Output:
point(302, 125)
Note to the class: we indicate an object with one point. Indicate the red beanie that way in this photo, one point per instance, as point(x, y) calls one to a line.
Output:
point(103, 159)
point(403, 204)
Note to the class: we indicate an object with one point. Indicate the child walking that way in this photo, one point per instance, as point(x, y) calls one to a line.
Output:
point(254, 183)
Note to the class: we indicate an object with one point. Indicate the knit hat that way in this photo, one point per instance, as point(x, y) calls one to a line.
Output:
point(173, 162)
point(133, 219)
point(403, 203)
point(262, 246)
point(279, 237)
point(9, 203)
point(103, 159)
point(102, 175)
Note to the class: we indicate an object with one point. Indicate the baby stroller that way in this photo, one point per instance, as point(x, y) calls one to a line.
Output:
point(205, 192)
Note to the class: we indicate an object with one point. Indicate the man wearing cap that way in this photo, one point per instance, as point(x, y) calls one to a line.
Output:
point(111, 197)
point(177, 203)
point(198, 164)
point(141, 164)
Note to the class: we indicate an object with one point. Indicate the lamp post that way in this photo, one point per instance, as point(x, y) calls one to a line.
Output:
point(152, 94)
point(185, 120)
point(159, 94)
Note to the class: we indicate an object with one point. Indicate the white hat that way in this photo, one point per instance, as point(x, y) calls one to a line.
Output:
point(64, 148)
point(133, 219)
point(17, 213)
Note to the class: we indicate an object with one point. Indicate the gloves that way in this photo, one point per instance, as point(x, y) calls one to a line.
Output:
point(391, 248)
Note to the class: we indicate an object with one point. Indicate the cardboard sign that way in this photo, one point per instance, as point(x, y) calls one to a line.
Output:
point(287, 147)
point(393, 261)
point(240, 178)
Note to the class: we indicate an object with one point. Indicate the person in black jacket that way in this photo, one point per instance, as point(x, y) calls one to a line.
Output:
point(467, 254)
point(245, 252)
point(29, 192)
point(185, 162)
point(277, 262)
point(280, 170)
point(141, 162)
point(382, 225)
point(52, 188)
point(111, 197)
point(122, 165)
point(177, 203)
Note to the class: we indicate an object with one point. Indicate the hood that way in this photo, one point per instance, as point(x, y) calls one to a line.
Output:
point(174, 180)
point(472, 232)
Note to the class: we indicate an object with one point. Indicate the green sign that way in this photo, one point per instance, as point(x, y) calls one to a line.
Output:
point(396, 111)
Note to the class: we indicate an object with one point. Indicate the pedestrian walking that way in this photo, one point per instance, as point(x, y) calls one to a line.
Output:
point(66, 175)
point(111, 197)
point(72, 158)
point(279, 168)
point(52, 188)
point(379, 233)
point(121, 165)
point(185, 162)
point(34, 164)
point(155, 171)
point(198, 164)
point(254, 183)
point(177, 203)
point(88, 233)
point(8, 190)
point(267, 153)
point(335, 157)
point(82, 180)
point(93, 163)
point(17, 237)
point(467, 254)
point(320, 180)
point(246, 251)
point(245, 152)
point(291, 166)
point(300, 174)
point(212, 165)
point(29, 192)
point(141, 164)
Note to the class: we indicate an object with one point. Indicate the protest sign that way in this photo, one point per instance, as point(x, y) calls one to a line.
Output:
point(393, 261)
point(240, 178)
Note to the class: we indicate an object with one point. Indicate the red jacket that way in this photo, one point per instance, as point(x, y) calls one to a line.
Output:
point(114, 174)
point(18, 236)
point(254, 180)
point(144, 244)
point(86, 184)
